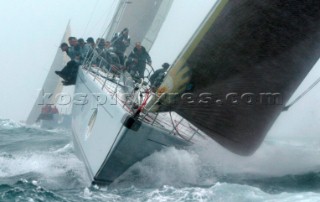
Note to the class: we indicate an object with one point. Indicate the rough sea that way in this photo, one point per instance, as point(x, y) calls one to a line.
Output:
point(40, 165)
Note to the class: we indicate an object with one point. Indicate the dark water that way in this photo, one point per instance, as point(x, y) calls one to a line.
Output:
point(40, 165)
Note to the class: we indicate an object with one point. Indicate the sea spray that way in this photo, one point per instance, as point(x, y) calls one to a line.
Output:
point(40, 165)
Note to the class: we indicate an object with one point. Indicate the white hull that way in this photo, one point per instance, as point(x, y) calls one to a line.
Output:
point(102, 140)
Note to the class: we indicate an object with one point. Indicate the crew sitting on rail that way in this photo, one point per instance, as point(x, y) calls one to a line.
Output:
point(98, 58)
point(69, 50)
point(74, 49)
point(85, 49)
point(103, 53)
point(70, 71)
point(90, 45)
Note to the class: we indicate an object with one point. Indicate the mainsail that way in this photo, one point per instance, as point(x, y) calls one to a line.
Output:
point(143, 18)
point(234, 77)
point(52, 84)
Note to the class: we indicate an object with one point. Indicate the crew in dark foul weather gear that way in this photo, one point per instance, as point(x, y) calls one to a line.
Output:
point(89, 46)
point(74, 49)
point(158, 76)
point(100, 54)
point(90, 41)
point(85, 49)
point(69, 72)
point(65, 48)
point(120, 42)
point(137, 61)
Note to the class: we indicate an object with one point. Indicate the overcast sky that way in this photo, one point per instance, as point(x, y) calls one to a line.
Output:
point(31, 31)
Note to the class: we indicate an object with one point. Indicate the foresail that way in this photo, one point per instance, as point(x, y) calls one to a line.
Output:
point(143, 18)
point(52, 84)
point(238, 71)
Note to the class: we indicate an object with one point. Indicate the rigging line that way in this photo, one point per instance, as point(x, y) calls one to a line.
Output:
point(301, 95)
point(122, 11)
point(103, 16)
point(91, 15)
point(86, 60)
point(174, 127)
point(107, 25)
point(116, 19)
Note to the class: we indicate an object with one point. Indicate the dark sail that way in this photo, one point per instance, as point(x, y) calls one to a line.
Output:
point(250, 58)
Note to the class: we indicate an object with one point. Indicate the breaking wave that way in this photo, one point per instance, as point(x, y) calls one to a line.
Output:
point(40, 165)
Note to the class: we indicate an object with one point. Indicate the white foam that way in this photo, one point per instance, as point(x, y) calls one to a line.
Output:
point(170, 166)
point(274, 158)
point(9, 124)
point(51, 164)
point(219, 192)
point(87, 193)
point(206, 162)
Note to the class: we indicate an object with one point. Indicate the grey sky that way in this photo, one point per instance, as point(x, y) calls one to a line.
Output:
point(31, 31)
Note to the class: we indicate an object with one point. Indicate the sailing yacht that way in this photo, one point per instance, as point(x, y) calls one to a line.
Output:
point(110, 134)
point(230, 82)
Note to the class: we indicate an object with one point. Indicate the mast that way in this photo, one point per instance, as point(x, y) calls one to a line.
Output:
point(52, 84)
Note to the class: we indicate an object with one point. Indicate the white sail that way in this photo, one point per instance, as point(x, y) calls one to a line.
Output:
point(157, 23)
point(143, 18)
point(52, 84)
